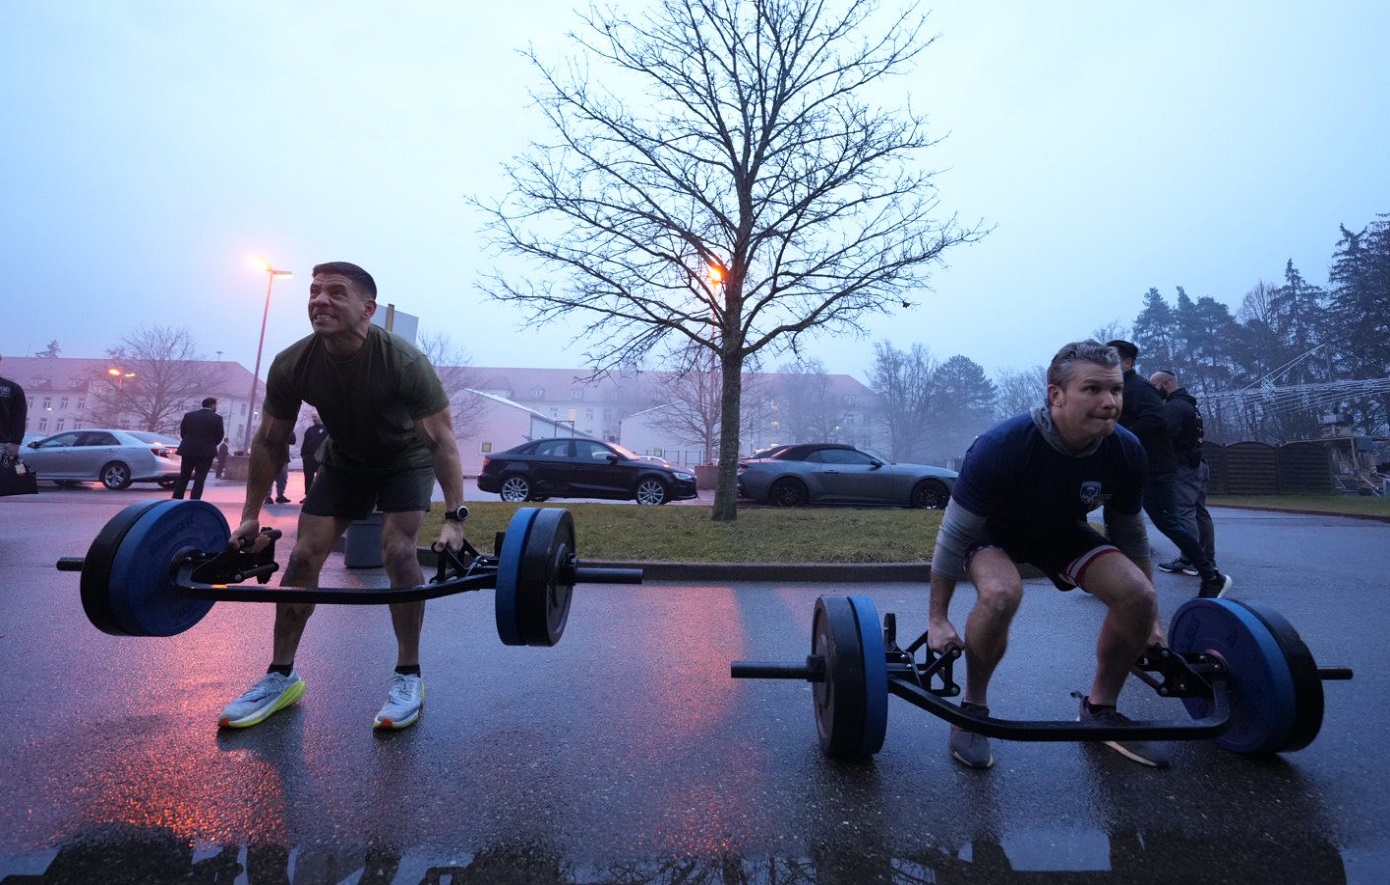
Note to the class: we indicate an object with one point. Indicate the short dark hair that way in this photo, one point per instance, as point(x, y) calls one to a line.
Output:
point(1127, 349)
point(209, 402)
point(361, 280)
point(1063, 367)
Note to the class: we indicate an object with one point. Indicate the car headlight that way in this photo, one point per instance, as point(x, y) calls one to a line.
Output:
point(678, 474)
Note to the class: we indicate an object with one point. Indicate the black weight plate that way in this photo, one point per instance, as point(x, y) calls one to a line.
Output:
point(542, 597)
point(1262, 689)
point(842, 704)
point(96, 567)
point(508, 571)
point(1307, 683)
point(144, 598)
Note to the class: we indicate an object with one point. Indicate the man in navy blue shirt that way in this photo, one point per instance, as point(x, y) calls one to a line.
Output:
point(1024, 495)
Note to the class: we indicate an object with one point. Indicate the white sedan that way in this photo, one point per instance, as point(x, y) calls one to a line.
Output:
point(114, 458)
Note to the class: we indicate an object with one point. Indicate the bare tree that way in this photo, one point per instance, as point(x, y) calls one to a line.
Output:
point(1020, 391)
point(156, 374)
point(697, 394)
point(451, 364)
point(902, 380)
point(744, 193)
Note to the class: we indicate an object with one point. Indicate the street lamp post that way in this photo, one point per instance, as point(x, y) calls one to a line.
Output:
point(119, 377)
point(271, 274)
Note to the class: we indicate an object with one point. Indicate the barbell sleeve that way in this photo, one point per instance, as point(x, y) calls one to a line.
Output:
point(71, 563)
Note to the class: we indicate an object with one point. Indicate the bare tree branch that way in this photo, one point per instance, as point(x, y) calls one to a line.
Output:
point(728, 134)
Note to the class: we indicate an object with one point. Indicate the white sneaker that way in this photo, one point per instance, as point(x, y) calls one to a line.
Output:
point(403, 703)
point(271, 692)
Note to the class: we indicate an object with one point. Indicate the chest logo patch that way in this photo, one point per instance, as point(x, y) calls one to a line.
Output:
point(1091, 494)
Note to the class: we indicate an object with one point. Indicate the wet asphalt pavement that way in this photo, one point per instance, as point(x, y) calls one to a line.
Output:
point(626, 754)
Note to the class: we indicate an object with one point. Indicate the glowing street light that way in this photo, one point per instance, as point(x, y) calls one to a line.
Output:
point(271, 273)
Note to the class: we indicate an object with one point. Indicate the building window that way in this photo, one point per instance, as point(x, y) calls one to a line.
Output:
point(485, 448)
point(63, 404)
point(57, 427)
point(538, 393)
point(588, 414)
point(81, 403)
point(849, 399)
point(43, 425)
point(48, 402)
point(577, 393)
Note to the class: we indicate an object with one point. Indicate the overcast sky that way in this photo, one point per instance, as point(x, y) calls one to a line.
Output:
point(150, 149)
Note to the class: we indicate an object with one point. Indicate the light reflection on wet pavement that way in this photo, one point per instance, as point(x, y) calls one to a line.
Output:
point(626, 755)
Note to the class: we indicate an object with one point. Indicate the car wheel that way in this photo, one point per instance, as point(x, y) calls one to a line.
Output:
point(167, 483)
point(788, 493)
point(651, 491)
point(115, 476)
point(930, 494)
point(515, 490)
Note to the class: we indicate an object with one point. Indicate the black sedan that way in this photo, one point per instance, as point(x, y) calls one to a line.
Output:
point(582, 468)
point(834, 473)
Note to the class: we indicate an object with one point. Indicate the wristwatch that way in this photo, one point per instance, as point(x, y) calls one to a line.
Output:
point(459, 514)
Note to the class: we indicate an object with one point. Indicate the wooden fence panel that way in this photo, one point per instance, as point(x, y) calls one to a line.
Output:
point(1252, 468)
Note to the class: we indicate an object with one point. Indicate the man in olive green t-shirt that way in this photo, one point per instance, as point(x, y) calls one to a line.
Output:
point(390, 436)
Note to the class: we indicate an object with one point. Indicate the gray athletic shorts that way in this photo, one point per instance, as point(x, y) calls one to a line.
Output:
point(345, 493)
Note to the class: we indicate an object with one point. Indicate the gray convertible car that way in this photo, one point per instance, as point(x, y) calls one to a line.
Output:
point(835, 473)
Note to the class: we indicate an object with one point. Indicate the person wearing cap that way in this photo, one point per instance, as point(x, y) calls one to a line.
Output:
point(1145, 416)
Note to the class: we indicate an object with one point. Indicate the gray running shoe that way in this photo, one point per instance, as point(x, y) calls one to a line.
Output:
point(403, 703)
point(1148, 753)
point(1178, 566)
point(967, 747)
point(271, 692)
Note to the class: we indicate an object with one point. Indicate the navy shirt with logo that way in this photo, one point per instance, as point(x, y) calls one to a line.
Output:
point(1020, 483)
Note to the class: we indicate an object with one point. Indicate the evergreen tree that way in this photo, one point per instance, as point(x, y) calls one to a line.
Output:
point(1360, 319)
point(962, 406)
point(1153, 331)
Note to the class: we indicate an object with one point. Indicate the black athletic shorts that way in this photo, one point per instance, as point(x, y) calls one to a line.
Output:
point(1062, 554)
point(345, 493)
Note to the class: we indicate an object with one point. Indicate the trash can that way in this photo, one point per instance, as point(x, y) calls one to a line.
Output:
point(362, 543)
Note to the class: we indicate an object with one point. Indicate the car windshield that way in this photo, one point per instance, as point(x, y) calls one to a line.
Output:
point(629, 454)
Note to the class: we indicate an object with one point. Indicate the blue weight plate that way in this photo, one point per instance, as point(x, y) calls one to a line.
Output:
point(875, 674)
point(96, 567)
point(1263, 706)
point(542, 599)
point(509, 559)
point(144, 598)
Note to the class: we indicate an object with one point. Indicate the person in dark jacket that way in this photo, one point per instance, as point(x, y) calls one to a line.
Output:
point(1186, 429)
point(224, 450)
point(1144, 415)
point(200, 431)
point(314, 435)
point(14, 413)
